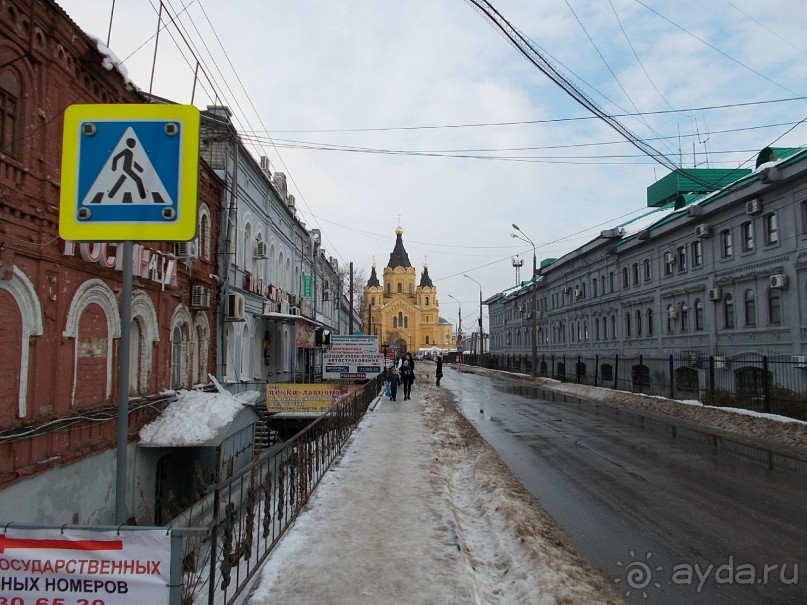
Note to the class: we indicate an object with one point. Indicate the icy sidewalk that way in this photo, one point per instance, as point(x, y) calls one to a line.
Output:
point(419, 510)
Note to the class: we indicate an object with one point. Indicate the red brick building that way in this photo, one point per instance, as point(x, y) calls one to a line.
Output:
point(60, 301)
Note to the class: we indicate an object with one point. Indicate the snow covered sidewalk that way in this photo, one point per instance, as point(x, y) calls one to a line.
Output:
point(420, 510)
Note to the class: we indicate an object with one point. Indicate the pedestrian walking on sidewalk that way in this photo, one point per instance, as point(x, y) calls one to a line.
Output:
point(407, 378)
point(439, 372)
point(394, 379)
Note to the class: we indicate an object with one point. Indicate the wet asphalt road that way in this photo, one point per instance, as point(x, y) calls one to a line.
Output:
point(670, 520)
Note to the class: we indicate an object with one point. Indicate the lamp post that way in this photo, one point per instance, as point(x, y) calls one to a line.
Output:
point(459, 313)
point(534, 323)
point(481, 331)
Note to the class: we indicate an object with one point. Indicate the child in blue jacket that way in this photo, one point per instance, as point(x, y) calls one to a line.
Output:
point(394, 379)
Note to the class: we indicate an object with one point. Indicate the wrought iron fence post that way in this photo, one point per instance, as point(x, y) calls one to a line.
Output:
point(766, 392)
point(616, 371)
point(672, 377)
point(214, 544)
point(596, 368)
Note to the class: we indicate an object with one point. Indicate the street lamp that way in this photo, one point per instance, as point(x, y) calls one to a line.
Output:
point(534, 325)
point(459, 329)
point(481, 331)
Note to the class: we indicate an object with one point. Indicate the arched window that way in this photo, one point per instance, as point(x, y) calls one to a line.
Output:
point(245, 350)
point(613, 326)
point(9, 112)
point(775, 306)
point(406, 322)
point(248, 253)
point(400, 288)
point(596, 329)
point(638, 324)
point(135, 349)
point(670, 318)
point(400, 319)
point(750, 308)
point(650, 322)
point(728, 312)
point(627, 324)
point(271, 275)
point(427, 301)
point(176, 358)
point(427, 339)
point(684, 317)
point(394, 322)
point(204, 234)
point(698, 314)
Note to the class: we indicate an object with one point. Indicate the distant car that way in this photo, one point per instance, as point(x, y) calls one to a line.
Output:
point(418, 356)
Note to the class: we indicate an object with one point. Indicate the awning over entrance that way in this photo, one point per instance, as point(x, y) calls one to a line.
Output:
point(289, 318)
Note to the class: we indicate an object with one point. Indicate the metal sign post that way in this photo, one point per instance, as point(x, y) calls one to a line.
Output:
point(129, 173)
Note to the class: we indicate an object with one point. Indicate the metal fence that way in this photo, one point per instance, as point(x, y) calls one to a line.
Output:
point(247, 513)
point(763, 383)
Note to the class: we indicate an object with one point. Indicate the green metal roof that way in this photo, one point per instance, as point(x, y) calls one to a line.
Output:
point(691, 181)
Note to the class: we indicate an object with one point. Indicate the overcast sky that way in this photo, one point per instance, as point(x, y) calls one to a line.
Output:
point(410, 81)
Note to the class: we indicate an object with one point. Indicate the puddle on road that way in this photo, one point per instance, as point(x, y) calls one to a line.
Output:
point(536, 393)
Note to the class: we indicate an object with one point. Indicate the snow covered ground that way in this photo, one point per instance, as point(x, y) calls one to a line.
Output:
point(420, 510)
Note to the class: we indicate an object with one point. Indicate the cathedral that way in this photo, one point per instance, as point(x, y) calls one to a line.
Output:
point(402, 313)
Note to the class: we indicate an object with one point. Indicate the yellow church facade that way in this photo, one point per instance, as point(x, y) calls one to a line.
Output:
point(403, 312)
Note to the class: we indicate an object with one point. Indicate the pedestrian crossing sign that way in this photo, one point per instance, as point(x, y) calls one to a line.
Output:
point(129, 173)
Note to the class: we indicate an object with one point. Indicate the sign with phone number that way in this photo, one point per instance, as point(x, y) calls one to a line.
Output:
point(81, 567)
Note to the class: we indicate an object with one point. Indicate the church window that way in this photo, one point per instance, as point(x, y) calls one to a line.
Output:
point(400, 288)
point(406, 322)
point(9, 112)
point(427, 301)
point(394, 322)
point(427, 339)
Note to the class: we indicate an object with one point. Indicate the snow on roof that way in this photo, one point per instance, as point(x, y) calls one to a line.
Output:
point(194, 418)
point(111, 60)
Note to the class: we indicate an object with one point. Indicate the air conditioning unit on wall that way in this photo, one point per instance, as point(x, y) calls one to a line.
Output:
point(260, 249)
point(753, 207)
point(778, 280)
point(200, 297)
point(185, 249)
point(672, 313)
point(715, 294)
point(703, 230)
point(235, 307)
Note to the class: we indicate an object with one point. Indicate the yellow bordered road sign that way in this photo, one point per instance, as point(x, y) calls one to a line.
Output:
point(129, 173)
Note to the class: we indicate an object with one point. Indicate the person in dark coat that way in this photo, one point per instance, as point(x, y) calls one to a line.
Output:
point(408, 359)
point(407, 378)
point(439, 372)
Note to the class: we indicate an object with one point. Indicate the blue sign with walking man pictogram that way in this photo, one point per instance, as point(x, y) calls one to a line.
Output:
point(130, 172)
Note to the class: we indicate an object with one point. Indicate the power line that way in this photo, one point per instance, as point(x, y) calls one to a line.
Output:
point(544, 121)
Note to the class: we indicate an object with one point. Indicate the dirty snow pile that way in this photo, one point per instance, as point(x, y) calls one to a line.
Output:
point(193, 418)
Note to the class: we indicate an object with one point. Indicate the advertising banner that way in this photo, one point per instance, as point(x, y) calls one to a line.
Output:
point(79, 566)
point(353, 345)
point(304, 335)
point(310, 398)
point(352, 358)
